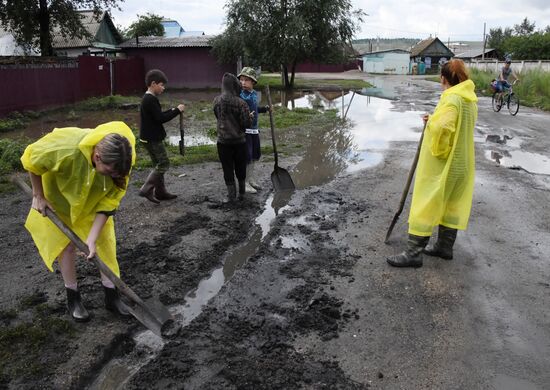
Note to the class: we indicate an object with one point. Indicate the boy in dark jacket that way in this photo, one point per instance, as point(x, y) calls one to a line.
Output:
point(233, 118)
point(152, 135)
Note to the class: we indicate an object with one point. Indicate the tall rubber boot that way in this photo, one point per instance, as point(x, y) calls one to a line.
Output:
point(253, 179)
point(160, 190)
point(231, 193)
point(443, 247)
point(75, 306)
point(147, 190)
point(249, 172)
point(412, 256)
point(114, 303)
point(242, 189)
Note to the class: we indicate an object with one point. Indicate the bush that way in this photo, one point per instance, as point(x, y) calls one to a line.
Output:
point(10, 154)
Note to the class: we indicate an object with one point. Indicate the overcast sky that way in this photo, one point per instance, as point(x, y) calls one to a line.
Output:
point(454, 20)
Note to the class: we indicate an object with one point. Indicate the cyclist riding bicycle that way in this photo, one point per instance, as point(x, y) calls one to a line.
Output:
point(502, 83)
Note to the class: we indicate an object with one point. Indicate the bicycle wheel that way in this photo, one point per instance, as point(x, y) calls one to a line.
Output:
point(497, 102)
point(513, 104)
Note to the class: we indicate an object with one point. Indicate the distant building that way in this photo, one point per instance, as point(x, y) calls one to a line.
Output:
point(104, 37)
point(186, 61)
point(393, 61)
point(172, 29)
point(429, 53)
point(477, 54)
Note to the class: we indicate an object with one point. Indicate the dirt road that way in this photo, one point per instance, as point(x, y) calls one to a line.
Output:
point(315, 306)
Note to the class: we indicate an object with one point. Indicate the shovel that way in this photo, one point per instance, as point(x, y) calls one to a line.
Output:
point(406, 189)
point(182, 135)
point(279, 177)
point(153, 314)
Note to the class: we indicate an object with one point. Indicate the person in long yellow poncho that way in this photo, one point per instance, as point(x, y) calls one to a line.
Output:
point(82, 175)
point(444, 181)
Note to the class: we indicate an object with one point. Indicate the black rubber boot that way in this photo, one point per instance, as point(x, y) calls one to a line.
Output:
point(231, 193)
point(75, 306)
point(160, 190)
point(412, 256)
point(443, 247)
point(148, 188)
point(242, 189)
point(114, 303)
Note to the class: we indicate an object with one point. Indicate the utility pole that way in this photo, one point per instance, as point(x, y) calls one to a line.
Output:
point(484, 42)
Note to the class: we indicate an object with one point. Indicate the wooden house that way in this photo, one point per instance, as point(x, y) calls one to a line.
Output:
point(104, 37)
point(429, 53)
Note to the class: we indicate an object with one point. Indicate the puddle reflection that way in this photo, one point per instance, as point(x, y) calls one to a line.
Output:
point(531, 162)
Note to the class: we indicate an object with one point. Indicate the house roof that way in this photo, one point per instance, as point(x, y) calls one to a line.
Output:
point(96, 28)
point(473, 53)
point(421, 46)
point(199, 41)
point(386, 51)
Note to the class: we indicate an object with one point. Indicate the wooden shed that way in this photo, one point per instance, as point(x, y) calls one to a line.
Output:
point(186, 61)
point(430, 52)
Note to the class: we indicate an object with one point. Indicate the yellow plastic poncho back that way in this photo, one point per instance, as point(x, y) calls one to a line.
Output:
point(75, 190)
point(444, 182)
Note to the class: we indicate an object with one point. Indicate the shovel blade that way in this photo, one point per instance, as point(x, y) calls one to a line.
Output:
point(281, 180)
point(153, 315)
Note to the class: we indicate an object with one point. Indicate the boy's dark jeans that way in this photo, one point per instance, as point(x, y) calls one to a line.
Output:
point(158, 155)
point(233, 159)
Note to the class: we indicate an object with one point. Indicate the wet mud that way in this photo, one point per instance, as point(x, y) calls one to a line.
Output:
point(314, 306)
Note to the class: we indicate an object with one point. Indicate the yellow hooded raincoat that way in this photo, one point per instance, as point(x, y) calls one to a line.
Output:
point(75, 190)
point(444, 182)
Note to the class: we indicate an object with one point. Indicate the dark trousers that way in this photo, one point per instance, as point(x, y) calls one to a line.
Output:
point(233, 159)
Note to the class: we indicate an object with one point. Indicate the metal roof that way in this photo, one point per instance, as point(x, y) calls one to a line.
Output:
point(147, 42)
point(386, 51)
point(473, 53)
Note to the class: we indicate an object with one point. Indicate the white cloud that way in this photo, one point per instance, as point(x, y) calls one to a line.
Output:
point(387, 18)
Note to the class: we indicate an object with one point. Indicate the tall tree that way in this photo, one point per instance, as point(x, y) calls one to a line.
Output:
point(32, 21)
point(496, 39)
point(524, 28)
point(146, 25)
point(285, 32)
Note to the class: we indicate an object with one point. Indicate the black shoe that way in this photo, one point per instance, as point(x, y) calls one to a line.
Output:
point(114, 303)
point(75, 306)
point(443, 247)
point(404, 260)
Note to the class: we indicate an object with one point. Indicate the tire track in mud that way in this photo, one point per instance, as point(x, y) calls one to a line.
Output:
point(244, 338)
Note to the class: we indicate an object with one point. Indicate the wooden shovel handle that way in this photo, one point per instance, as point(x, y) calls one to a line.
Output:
point(81, 245)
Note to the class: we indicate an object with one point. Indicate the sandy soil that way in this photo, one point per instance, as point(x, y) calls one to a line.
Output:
point(316, 306)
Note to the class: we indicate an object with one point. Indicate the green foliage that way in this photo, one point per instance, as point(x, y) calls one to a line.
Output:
point(283, 34)
point(104, 102)
point(10, 154)
point(32, 22)
point(522, 41)
point(146, 25)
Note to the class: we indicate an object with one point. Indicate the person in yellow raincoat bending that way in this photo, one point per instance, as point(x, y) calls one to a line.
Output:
point(82, 175)
point(444, 181)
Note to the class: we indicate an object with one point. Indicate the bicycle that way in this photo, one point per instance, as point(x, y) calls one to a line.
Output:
point(508, 97)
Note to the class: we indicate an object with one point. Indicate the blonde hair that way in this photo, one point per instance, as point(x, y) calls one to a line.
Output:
point(115, 149)
point(454, 72)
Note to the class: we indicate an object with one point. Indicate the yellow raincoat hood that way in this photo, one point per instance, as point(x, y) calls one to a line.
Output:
point(444, 180)
point(63, 158)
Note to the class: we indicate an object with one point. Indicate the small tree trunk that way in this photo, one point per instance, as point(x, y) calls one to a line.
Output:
point(46, 48)
point(284, 71)
point(293, 72)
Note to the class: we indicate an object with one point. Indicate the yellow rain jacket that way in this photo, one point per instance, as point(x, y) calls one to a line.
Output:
point(76, 191)
point(444, 182)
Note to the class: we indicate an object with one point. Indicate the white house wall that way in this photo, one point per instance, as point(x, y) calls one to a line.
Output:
point(388, 63)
